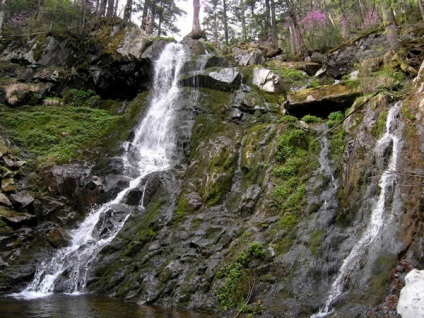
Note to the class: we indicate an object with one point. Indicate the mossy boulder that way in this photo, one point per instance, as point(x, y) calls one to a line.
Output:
point(321, 100)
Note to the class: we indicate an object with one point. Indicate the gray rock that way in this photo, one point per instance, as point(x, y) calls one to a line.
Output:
point(4, 200)
point(8, 185)
point(266, 80)
point(249, 199)
point(22, 200)
point(16, 219)
point(226, 79)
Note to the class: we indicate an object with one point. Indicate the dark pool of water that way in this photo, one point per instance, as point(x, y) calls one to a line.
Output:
point(85, 306)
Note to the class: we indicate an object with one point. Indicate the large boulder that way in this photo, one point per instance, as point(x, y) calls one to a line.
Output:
point(222, 79)
point(321, 100)
point(411, 300)
point(266, 80)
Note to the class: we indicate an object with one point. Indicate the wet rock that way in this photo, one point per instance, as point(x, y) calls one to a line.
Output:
point(249, 199)
point(411, 300)
point(225, 79)
point(4, 200)
point(134, 197)
point(154, 49)
point(266, 80)
point(22, 200)
point(59, 237)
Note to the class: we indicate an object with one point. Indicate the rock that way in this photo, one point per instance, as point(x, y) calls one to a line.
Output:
point(309, 68)
point(134, 197)
point(152, 52)
point(64, 180)
point(411, 300)
point(266, 80)
point(244, 58)
point(24, 93)
point(8, 185)
point(249, 199)
point(321, 100)
point(17, 219)
point(22, 200)
point(59, 237)
point(120, 79)
point(4, 149)
point(133, 43)
point(4, 200)
point(224, 79)
point(194, 201)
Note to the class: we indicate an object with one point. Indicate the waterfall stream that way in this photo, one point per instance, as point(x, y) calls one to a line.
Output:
point(390, 141)
point(152, 149)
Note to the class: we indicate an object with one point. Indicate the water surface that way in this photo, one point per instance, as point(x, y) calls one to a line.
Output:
point(85, 306)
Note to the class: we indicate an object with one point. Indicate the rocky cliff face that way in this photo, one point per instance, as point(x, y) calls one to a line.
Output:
point(264, 209)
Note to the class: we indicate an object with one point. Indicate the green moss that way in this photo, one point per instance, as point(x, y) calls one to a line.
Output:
point(335, 118)
point(310, 119)
point(316, 240)
point(380, 127)
point(238, 277)
point(60, 134)
point(380, 280)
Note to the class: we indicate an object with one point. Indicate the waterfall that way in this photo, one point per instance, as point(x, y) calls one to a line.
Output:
point(152, 149)
point(390, 140)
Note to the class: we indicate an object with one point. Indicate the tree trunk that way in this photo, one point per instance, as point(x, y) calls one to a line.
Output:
point(267, 31)
point(110, 7)
point(421, 4)
point(152, 17)
point(224, 3)
point(102, 9)
point(128, 11)
point(243, 20)
point(2, 2)
point(144, 21)
point(392, 33)
point(196, 30)
point(274, 31)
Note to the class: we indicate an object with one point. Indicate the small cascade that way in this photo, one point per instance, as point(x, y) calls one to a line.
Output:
point(153, 149)
point(390, 141)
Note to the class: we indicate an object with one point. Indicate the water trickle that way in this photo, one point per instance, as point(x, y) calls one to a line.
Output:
point(153, 149)
point(389, 141)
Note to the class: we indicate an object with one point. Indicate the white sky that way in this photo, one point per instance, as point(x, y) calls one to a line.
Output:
point(184, 23)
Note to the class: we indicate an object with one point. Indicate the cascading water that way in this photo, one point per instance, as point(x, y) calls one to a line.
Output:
point(390, 140)
point(153, 149)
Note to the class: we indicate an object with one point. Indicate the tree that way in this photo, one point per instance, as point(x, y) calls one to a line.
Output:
point(196, 30)
point(391, 28)
point(128, 10)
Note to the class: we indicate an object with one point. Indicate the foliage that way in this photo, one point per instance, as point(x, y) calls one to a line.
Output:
point(310, 119)
point(334, 118)
point(230, 294)
point(80, 98)
point(293, 142)
point(60, 134)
